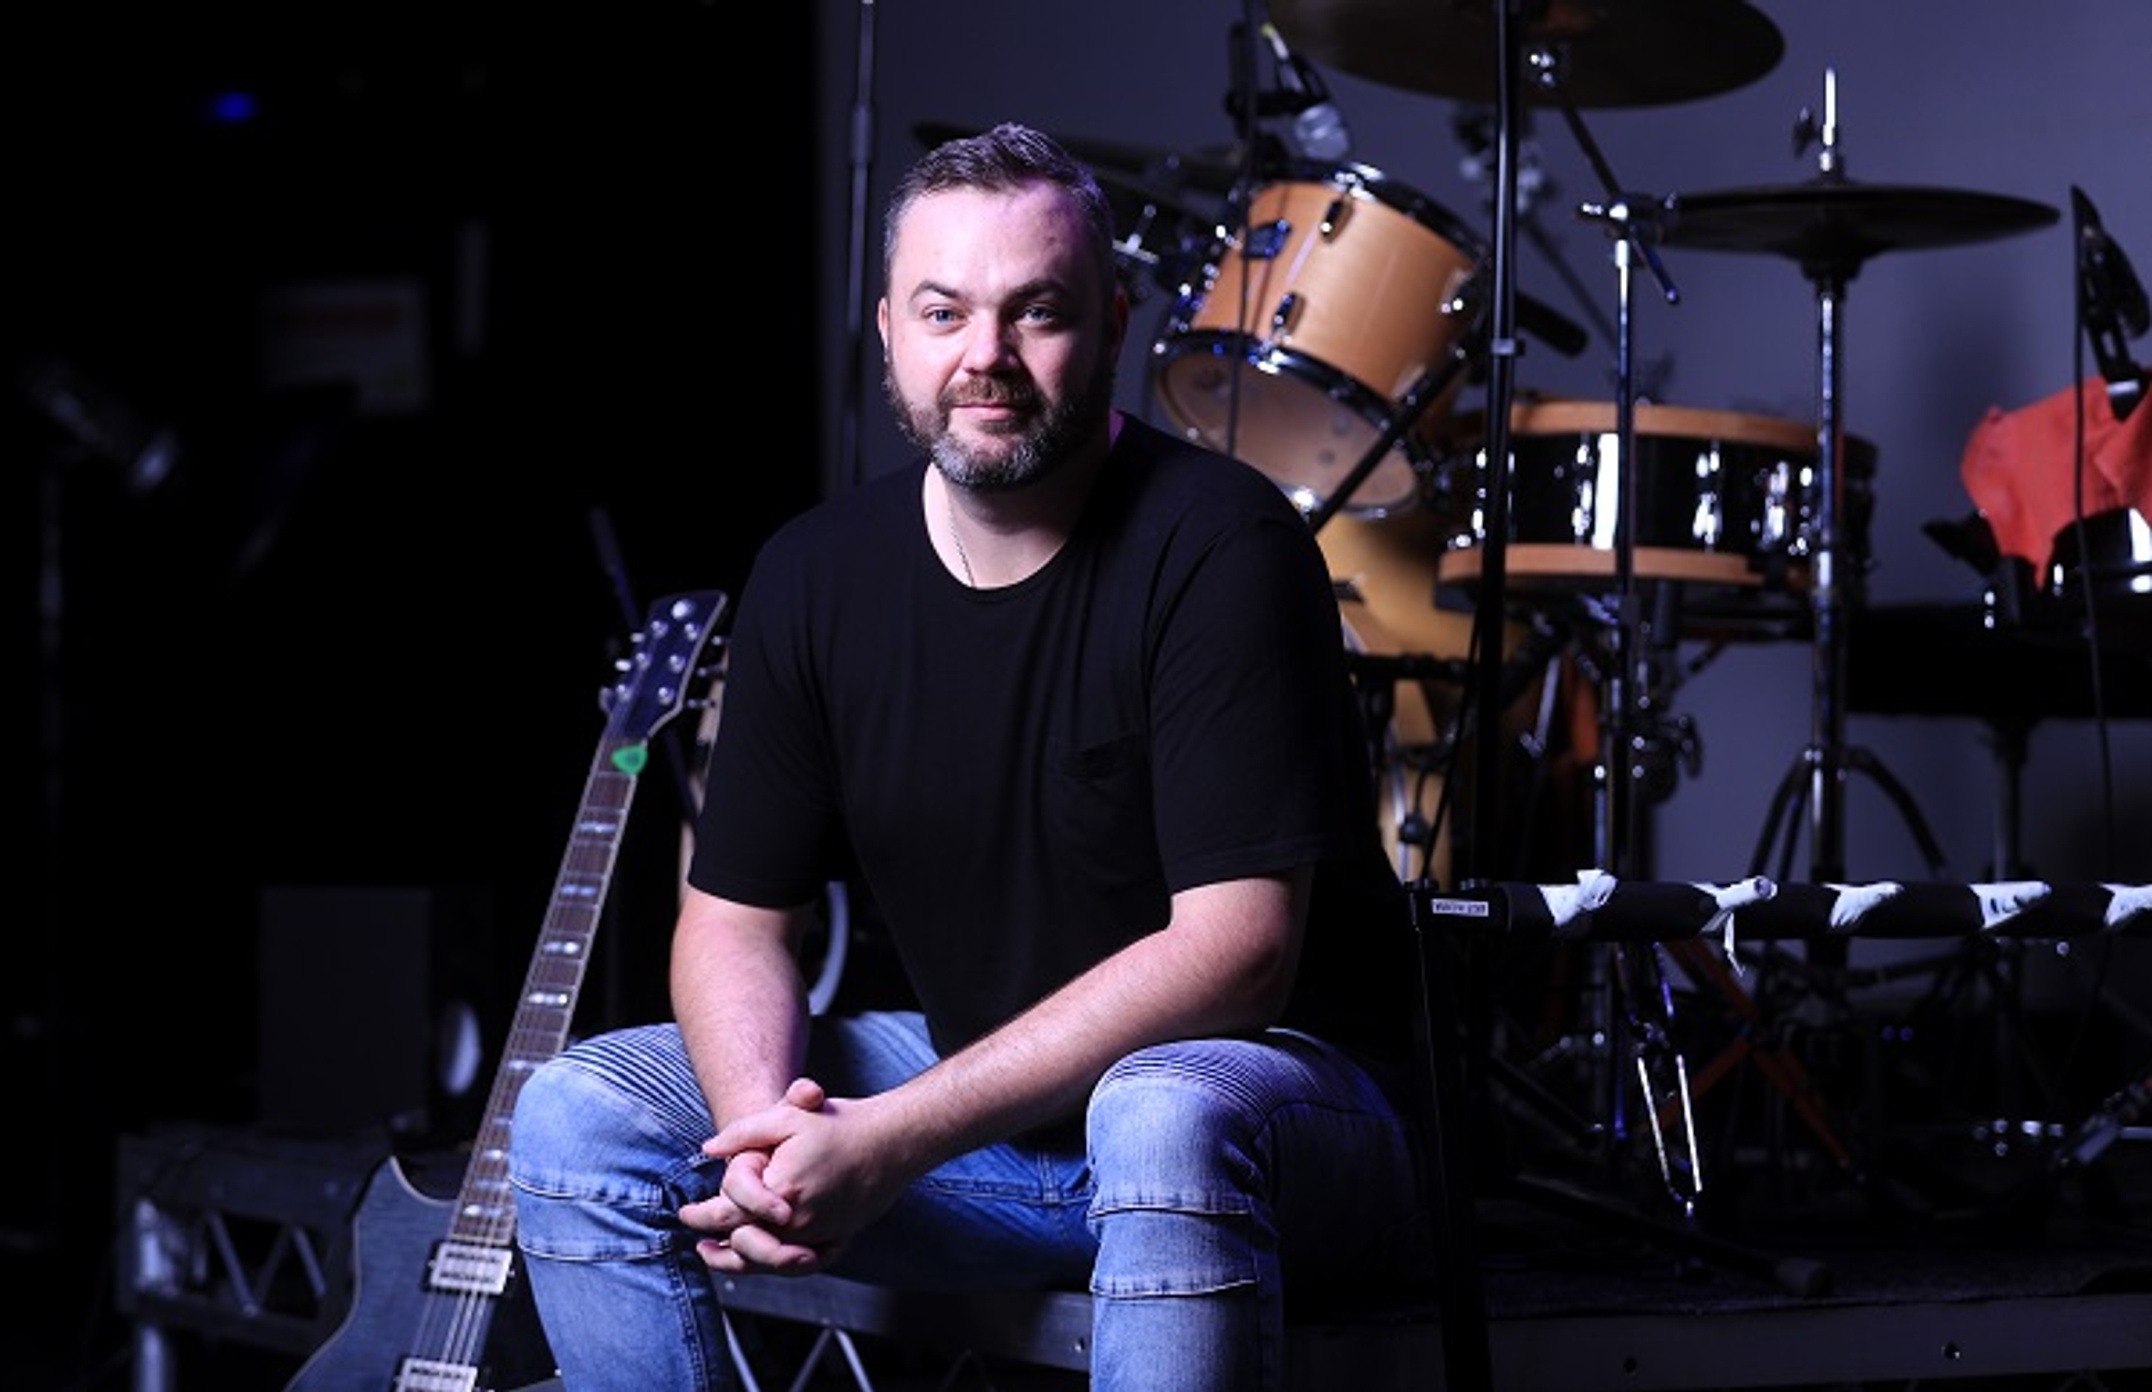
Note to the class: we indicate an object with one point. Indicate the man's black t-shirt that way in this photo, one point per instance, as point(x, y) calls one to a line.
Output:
point(1023, 776)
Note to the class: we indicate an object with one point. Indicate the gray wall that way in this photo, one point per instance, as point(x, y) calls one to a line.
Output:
point(1973, 95)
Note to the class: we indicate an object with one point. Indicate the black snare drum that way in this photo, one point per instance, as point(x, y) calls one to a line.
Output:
point(1723, 498)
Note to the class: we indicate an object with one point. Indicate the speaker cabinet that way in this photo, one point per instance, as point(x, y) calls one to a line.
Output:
point(375, 1009)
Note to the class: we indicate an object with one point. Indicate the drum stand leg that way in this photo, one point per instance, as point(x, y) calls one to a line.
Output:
point(1815, 765)
point(1642, 745)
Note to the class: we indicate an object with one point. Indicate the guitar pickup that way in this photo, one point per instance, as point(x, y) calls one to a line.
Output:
point(469, 1270)
point(432, 1375)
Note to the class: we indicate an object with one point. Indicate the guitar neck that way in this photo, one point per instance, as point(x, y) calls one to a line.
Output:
point(545, 1009)
point(424, 1321)
point(665, 662)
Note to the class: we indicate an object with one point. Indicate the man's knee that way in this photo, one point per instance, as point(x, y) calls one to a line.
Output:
point(1162, 1129)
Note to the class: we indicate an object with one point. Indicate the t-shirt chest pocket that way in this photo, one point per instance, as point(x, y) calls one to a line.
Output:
point(1099, 811)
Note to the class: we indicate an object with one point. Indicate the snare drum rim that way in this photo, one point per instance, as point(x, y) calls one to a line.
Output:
point(1465, 431)
point(1661, 421)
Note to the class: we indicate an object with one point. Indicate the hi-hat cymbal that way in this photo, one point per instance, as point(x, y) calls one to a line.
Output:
point(1634, 53)
point(1832, 224)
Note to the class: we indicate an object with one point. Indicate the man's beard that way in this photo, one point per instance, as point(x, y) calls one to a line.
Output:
point(1020, 459)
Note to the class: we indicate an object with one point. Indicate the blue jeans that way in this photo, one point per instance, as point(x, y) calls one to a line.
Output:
point(1215, 1169)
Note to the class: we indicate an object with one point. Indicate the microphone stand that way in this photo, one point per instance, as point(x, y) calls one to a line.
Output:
point(1452, 1042)
point(1478, 855)
point(1627, 736)
point(1631, 682)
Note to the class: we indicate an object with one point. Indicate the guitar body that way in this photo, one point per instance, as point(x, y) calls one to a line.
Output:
point(439, 1303)
point(394, 1232)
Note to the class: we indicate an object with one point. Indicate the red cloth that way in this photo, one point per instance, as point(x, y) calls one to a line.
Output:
point(2018, 467)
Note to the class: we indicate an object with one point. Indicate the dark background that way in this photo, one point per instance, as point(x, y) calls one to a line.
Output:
point(337, 646)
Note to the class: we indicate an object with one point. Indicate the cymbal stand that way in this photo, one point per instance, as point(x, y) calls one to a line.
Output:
point(1827, 757)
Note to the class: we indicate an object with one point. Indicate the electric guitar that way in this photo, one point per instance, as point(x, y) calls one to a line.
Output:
point(430, 1275)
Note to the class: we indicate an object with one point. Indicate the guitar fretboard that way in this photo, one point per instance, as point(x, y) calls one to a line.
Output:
point(664, 664)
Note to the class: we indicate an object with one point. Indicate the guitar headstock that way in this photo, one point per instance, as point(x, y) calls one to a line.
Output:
point(666, 665)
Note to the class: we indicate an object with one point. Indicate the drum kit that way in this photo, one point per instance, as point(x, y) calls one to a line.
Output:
point(1324, 324)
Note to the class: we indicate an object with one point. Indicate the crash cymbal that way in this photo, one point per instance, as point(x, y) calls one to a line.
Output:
point(1142, 168)
point(1631, 53)
point(1833, 224)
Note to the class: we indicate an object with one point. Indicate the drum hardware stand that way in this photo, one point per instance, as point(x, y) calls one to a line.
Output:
point(1467, 1358)
point(1413, 404)
point(2024, 1207)
point(1634, 228)
point(1655, 745)
point(1791, 794)
point(1632, 740)
point(1471, 127)
point(1375, 679)
point(1637, 742)
point(1248, 106)
point(1823, 765)
point(1662, 1074)
point(1536, 654)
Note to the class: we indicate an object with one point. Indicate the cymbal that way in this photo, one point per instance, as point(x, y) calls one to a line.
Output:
point(1140, 168)
point(1634, 53)
point(1832, 224)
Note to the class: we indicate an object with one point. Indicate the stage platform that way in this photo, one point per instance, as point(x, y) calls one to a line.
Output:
point(1850, 1298)
point(2029, 1274)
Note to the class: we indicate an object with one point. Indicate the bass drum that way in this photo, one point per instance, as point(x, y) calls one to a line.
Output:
point(1412, 664)
point(1310, 325)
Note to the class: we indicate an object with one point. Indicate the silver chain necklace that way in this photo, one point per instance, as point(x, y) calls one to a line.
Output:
point(956, 538)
